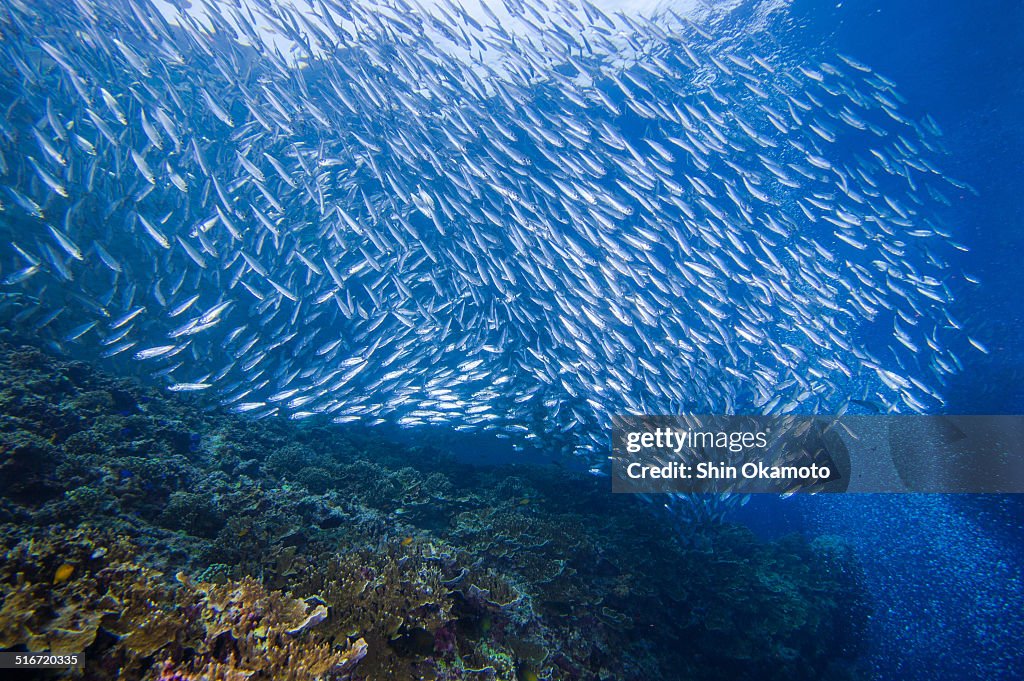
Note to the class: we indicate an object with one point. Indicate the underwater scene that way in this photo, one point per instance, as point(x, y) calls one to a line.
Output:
point(319, 320)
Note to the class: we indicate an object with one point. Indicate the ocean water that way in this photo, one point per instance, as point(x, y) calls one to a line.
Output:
point(345, 307)
point(973, 85)
point(946, 570)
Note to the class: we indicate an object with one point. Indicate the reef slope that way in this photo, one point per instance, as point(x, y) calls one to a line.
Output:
point(168, 540)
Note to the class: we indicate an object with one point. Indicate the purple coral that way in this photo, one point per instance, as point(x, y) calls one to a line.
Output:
point(444, 639)
point(169, 673)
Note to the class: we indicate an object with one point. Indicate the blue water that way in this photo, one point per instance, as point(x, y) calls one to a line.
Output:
point(963, 63)
point(945, 573)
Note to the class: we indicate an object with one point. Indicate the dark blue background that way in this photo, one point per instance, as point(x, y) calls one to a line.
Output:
point(945, 573)
point(963, 63)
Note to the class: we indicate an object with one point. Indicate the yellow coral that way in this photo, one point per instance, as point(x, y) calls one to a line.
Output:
point(63, 573)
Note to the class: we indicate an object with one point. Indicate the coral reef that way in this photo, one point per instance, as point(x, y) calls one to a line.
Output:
point(133, 623)
point(168, 540)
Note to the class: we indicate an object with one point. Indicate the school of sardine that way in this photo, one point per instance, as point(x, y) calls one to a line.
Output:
point(421, 217)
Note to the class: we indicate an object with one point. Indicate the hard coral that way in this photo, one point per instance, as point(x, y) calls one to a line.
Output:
point(123, 616)
point(387, 555)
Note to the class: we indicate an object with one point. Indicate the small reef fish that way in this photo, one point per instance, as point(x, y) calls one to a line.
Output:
point(522, 225)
